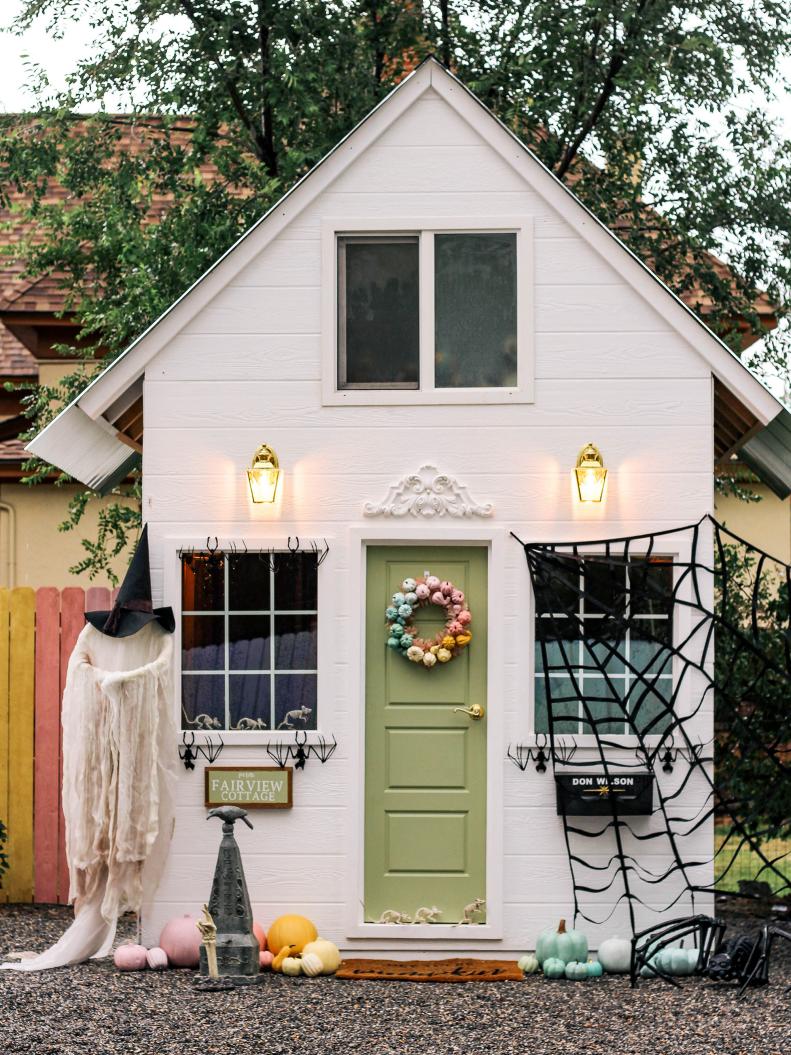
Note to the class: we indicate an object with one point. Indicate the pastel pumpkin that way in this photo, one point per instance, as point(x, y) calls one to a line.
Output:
point(576, 971)
point(444, 655)
point(553, 968)
point(260, 933)
point(562, 944)
point(422, 591)
point(328, 953)
point(265, 960)
point(292, 930)
point(615, 955)
point(446, 589)
point(432, 582)
point(311, 964)
point(465, 617)
point(594, 969)
point(429, 659)
point(462, 640)
point(157, 959)
point(457, 597)
point(408, 585)
point(130, 957)
point(437, 598)
point(292, 966)
point(181, 940)
point(281, 957)
point(528, 964)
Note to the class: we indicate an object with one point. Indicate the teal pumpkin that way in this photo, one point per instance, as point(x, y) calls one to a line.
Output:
point(391, 613)
point(406, 641)
point(594, 969)
point(396, 630)
point(553, 967)
point(393, 642)
point(528, 964)
point(565, 945)
point(576, 971)
point(647, 970)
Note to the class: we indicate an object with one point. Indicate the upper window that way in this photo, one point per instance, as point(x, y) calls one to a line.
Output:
point(441, 313)
point(604, 637)
point(248, 641)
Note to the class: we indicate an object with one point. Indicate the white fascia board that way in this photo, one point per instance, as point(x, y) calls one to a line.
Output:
point(85, 449)
point(724, 363)
point(129, 366)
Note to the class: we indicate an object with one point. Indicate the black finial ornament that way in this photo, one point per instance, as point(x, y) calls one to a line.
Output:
point(229, 907)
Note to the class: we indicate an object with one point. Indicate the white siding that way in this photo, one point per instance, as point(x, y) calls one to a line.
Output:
point(246, 370)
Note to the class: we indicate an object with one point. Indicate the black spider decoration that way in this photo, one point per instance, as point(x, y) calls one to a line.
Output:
point(705, 933)
point(745, 960)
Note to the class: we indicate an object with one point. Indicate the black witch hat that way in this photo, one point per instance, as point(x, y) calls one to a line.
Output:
point(133, 609)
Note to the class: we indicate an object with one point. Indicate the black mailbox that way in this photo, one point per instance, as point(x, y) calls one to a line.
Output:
point(600, 794)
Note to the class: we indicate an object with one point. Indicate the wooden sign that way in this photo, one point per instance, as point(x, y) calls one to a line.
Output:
point(252, 787)
point(598, 795)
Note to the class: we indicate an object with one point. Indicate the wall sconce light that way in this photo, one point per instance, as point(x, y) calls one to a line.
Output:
point(263, 474)
point(591, 474)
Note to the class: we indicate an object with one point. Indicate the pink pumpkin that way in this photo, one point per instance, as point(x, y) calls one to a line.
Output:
point(180, 939)
point(437, 598)
point(130, 957)
point(157, 959)
point(433, 582)
point(455, 628)
point(457, 597)
point(265, 959)
point(422, 591)
point(465, 618)
point(446, 588)
point(260, 933)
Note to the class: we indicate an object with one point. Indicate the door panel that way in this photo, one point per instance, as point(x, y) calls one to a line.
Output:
point(425, 766)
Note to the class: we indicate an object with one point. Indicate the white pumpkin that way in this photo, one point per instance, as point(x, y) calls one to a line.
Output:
point(327, 952)
point(312, 964)
point(528, 964)
point(615, 955)
point(292, 965)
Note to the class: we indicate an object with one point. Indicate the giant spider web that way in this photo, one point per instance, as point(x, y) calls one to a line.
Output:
point(644, 645)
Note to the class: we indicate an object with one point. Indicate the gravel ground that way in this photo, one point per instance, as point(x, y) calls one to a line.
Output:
point(94, 1008)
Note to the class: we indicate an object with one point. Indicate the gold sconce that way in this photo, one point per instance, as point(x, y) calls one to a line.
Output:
point(263, 474)
point(591, 474)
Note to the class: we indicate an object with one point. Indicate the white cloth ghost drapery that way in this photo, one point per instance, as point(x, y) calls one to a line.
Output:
point(119, 760)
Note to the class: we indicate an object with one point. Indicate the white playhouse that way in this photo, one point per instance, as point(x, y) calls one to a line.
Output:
point(426, 345)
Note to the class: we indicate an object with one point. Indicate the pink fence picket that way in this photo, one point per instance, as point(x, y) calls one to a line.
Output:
point(46, 812)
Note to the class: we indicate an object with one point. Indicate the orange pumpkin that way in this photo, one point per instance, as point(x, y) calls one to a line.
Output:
point(296, 931)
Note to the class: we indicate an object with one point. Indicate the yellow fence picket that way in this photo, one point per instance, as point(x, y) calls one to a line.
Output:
point(18, 882)
point(4, 768)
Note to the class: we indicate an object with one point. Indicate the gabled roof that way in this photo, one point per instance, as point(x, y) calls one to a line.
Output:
point(95, 462)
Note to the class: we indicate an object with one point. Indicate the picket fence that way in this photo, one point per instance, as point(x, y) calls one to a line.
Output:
point(38, 629)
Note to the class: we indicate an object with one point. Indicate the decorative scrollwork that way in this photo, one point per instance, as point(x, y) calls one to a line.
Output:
point(426, 494)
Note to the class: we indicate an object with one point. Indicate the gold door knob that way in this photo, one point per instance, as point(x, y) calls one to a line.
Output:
point(476, 712)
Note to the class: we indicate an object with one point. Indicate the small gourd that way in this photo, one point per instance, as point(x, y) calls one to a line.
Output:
point(130, 957)
point(615, 955)
point(594, 969)
point(311, 964)
point(576, 971)
point(157, 959)
point(277, 963)
point(565, 945)
point(292, 966)
point(265, 960)
point(553, 967)
point(528, 964)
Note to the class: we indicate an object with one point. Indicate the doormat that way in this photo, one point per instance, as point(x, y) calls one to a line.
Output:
point(455, 970)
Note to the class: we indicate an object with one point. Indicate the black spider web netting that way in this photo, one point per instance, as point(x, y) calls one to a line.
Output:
point(668, 654)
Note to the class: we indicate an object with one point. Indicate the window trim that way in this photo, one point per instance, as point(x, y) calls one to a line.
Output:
point(172, 545)
point(426, 394)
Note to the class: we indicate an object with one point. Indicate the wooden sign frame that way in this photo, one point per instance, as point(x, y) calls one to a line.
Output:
point(243, 803)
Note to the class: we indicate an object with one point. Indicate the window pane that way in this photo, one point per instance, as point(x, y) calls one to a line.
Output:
point(203, 701)
point(650, 708)
point(651, 587)
point(603, 701)
point(475, 310)
point(202, 585)
point(202, 642)
point(295, 582)
point(295, 642)
point(295, 701)
point(249, 701)
point(248, 583)
point(565, 706)
point(248, 640)
point(378, 312)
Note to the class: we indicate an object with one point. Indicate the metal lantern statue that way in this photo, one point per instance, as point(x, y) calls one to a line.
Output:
point(230, 957)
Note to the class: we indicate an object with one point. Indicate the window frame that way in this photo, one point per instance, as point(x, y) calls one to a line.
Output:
point(424, 229)
point(677, 549)
point(171, 583)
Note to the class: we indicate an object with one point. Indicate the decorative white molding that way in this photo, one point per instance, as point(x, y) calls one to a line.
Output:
point(428, 493)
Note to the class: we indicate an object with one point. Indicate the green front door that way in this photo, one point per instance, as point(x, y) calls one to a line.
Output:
point(425, 763)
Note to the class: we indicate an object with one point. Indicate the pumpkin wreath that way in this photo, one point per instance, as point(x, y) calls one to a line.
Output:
point(402, 633)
